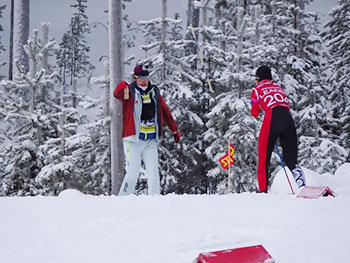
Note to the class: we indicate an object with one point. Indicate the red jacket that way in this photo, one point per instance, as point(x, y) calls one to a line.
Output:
point(163, 111)
point(267, 95)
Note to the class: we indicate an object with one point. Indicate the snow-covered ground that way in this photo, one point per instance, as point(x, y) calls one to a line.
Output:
point(76, 228)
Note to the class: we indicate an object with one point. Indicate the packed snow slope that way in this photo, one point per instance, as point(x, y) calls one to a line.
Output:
point(76, 228)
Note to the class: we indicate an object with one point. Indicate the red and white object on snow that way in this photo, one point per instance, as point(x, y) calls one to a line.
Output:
point(314, 192)
point(253, 254)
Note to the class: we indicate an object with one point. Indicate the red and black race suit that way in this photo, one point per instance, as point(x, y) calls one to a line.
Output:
point(278, 123)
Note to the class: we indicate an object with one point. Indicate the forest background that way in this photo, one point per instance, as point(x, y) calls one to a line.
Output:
point(55, 115)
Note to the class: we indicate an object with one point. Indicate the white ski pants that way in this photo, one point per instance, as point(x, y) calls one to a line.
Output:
point(134, 153)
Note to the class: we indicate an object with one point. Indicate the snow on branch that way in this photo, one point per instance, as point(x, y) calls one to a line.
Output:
point(159, 20)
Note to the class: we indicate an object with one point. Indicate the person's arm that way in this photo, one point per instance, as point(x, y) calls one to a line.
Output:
point(168, 117)
point(255, 110)
point(169, 120)
point(121, 92)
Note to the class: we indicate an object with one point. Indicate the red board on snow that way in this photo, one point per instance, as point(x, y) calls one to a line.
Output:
point(254, 254)
point(315, 192)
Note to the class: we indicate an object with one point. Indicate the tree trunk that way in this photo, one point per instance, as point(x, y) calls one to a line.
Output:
point(74, 93)
point(193, 22)
point(31, 73)
point(298, 16)
point(193, 15)
point(21, 34)
point(163, 36)
point(11, 41)
point(116, 75)
point(204, 12)
point(106, 107)
point(44, 58)
point(44, 41)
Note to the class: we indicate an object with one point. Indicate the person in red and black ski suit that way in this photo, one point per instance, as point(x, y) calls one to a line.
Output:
point(277, 123)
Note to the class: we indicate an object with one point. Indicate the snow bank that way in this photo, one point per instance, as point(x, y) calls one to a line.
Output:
point(77, 228)
point(339, 182)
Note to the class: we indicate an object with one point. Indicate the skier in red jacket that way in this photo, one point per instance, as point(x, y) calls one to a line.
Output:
point(278, 123)
point(144, 113)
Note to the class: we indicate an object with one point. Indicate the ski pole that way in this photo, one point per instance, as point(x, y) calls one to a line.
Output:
point(284, 167)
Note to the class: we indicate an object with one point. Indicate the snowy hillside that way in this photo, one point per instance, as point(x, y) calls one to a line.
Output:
point(77, 228)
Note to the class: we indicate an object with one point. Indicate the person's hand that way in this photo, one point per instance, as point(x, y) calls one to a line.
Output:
point(126, 93)
point(177, 136)
point(252, 101)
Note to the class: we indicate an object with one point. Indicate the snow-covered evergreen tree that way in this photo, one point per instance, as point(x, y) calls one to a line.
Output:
point(325, 108)
point(30, 113)
point(323, 155)
point(228, 45)
point(337, 37)
point(72, 57)
point(99, 132)
point(99, 169)
point(46, 154)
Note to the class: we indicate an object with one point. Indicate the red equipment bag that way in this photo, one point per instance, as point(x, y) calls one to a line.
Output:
point(315, 192)
point(254, 254)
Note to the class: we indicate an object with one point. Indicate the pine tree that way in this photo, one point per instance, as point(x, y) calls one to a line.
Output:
point(230, 44)
point(30, 114)
point(66, 159)
point(73, 58)
point(46, 154)
point(186, 92)
point(99, 131)
point(321, 114)
point(337, 37)
point(99, 169)
point(79, 160)
point(323, 155)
